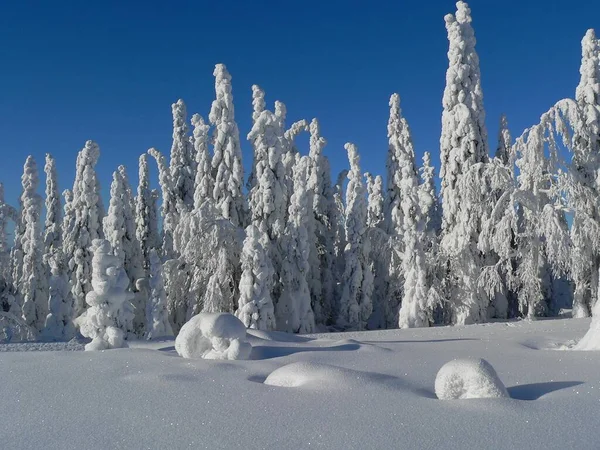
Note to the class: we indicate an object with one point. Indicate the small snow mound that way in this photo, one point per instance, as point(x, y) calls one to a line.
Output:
point(468, 378)
point(309, 374)
point(213, 336)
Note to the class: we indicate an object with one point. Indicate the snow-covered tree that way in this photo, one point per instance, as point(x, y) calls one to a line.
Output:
point(213, 248)
point(432, 220)
point(182, 162)
point(258, 106)
point(204, 180)
point(463, 143)
point(5, 215)
point(85, 218)
point(120, 232)
point(255, 306)
point(399, 154)
point(8, 301)
point(293, 311)
point(219, 294)
point(157, 314)
point(379, 256)
point(53, 224)
point(33, 284)
point(145, 214)
point(585, 188)
point(227, 157)
point(415, 310)
point(323, 207)
point(59, 324)
point(375, 200)
point(106, 302)
point(169, 211)
point(357, 281)
point(505, 152)
point(268, 197)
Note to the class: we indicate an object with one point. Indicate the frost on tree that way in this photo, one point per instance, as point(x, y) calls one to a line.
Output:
point(258, 106)
point(119, 231)
point(204, 180)
point(585, 189)
point(146, 220)
point(157, 314)
point(227, 153)
point(463, 143)
point(59, 324)
point(84, 224)
point(182, 162)
point(255, 306)
point(357, 280)
point(324, 210)
point(33, 284)
point(293, 310)
point(107, 300)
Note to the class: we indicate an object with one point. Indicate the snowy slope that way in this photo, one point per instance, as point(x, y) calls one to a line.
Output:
point(353, 390)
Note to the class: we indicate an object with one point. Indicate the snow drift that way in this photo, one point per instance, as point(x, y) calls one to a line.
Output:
point(468, 378)
point(213, 336)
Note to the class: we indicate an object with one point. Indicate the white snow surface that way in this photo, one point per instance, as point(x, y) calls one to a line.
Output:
point(345, 391)
point(468, 378)
point(213, 336)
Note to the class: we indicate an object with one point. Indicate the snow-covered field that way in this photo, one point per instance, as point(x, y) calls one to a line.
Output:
point(361, 390)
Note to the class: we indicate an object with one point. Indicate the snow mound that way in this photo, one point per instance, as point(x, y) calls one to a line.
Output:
point(591, 340)
point(468, 378)
point(213, 336)
point(310, 374)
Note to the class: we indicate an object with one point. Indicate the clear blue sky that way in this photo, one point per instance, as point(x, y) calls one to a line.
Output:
point(109, 71)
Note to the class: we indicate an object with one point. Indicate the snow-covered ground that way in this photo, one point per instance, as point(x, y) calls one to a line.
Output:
point(362, 390)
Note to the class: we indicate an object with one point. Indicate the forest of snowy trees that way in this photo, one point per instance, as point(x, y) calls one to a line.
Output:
point(513, 232)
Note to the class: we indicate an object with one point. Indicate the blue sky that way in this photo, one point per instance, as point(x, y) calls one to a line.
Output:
point(109, 71)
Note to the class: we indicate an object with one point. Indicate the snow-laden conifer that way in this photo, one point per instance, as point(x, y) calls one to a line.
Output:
point(119, 230)
point(357, 280)
point(169, 211)
point(84, 224)
point(255, 306)
point(182, 162)
point(157, 315)
point(293, 311)
point(146, 222)
point(219, 295)
point(463, 143)
point(53, 223)
point(106, 301)
point(227, 157)
point(585, 188)
point(33, 283)
point(59, 324)
point(415, 310)
point(323, 208)
point(374, 200)
point(204, 180)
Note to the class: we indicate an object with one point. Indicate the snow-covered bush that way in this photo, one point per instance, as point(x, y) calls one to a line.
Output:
point(468, 378)
point(106, 301)
point(213, 336)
